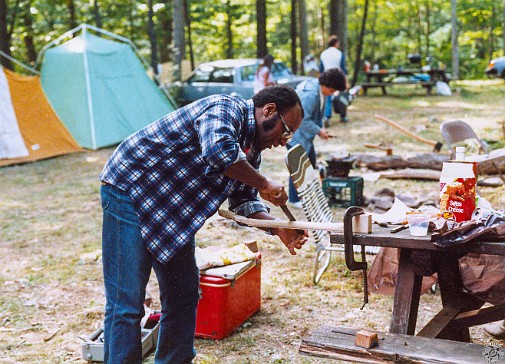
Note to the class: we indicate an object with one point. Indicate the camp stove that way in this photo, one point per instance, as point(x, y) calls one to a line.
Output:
point(339, 166)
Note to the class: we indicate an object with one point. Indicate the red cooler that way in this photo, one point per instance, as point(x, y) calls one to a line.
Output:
point(229, 296)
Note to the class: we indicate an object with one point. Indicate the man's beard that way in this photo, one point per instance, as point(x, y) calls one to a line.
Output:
point(267, 125)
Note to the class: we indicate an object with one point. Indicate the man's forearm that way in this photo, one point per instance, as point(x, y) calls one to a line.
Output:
point(242, 171)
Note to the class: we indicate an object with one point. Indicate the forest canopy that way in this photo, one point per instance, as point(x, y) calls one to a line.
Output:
point(216, 29)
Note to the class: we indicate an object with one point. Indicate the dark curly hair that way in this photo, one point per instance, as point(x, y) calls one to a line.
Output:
point(333, 78)
point(284, 98)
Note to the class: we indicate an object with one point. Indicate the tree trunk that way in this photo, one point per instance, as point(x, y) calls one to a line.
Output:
point(71, 11)
point(152, 37)
point(419, 28)
point(294, 63)
point(357, 62)
point(503, 27)
point(428, 27)
point(341, 29)
point(303, 34)
point(165, 33)
point(333, 12)
point(187, 18)
point(28, 39)
point(491, 36)
point(96, 14)
point(229, 34)
point(454, 40)
point(261, 25)
point(179, 41)
point(5, 39)
point(373, 33)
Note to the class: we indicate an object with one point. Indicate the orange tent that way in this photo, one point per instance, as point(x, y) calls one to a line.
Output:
point(32, 131)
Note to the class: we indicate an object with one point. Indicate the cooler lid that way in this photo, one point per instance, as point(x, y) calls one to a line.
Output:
point(231, 271)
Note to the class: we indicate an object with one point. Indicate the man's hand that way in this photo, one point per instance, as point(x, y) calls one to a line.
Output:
point(293, 239)
point(274, 193)
point(323, 134)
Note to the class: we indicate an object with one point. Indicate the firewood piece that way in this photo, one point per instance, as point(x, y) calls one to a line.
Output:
point(410, 173)
point(366, 339)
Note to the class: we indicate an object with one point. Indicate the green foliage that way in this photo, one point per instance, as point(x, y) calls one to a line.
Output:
point(394, 29)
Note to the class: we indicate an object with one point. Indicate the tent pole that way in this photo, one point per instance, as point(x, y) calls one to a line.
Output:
point(88, 92)
point(32, 70)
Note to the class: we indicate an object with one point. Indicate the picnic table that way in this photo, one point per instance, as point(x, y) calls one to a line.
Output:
point(383, 78)
point(460, 310)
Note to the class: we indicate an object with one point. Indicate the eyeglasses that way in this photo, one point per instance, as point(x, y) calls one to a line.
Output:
point(288, 134)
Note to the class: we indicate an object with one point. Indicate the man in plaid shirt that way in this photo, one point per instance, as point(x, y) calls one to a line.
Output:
point(159, 187)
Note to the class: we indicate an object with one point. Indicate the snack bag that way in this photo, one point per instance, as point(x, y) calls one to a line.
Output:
point(457, 190)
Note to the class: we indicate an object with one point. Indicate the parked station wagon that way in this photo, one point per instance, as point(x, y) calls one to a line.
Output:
point(231, 77)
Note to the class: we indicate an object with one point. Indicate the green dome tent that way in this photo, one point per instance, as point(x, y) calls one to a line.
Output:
point(100, 89)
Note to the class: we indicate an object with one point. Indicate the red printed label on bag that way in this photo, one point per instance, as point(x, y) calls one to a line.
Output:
point(457, 190)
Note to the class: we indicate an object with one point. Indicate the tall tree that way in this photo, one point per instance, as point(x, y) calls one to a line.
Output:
point(491, 31)
point(338, 21)
point(179, 41)
point(357, 62)
point(165, 38)
point(152, 37)
point(71, 12)
point(294, 63)
point(187, 19)
point(303, 33)
point(229, 33)
point(28, 36)
point(96, 14)
point(261, 27)
point(454, 40)
point(428, 27)
point(503, 26)
point(4, 36)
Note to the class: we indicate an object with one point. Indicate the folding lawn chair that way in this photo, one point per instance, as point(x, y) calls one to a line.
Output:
point(315, 207)
point(458, 131)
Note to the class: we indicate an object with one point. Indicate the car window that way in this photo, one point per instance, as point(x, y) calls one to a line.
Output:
point(247, 72)
point(280, 70)
point(200, 75)
point(222, 75)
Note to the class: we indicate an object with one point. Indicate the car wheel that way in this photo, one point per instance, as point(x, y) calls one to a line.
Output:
point(503, 74)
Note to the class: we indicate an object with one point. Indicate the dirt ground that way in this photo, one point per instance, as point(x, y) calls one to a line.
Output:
point(51, 288)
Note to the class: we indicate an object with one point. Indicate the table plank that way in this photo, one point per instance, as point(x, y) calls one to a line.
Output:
point(338, 343)
point(383, 237)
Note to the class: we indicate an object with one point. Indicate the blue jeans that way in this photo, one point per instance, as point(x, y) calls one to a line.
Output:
point(127, 266)
point(292, 194)
point(327, 106)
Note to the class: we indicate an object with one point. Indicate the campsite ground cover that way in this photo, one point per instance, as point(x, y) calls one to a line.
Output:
point(50, 218)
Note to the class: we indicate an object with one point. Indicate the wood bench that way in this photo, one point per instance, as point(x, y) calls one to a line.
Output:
point(338, 343)
point(428, 85)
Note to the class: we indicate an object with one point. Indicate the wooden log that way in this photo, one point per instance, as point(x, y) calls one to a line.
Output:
point(410, 173)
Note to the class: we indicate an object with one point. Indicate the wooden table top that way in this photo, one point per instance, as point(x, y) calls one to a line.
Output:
point(383, 237)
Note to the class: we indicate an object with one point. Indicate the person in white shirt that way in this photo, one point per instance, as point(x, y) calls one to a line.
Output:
point(332, 57)
point(263, 76)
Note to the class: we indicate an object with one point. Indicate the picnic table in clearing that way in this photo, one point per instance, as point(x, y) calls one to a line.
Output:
point(460, 310)
point(383, 78)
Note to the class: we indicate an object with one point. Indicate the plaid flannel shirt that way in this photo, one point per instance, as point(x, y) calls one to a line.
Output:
point(173, 170)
